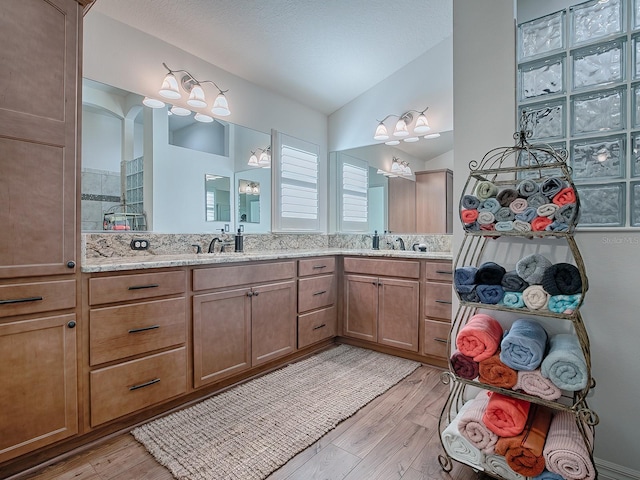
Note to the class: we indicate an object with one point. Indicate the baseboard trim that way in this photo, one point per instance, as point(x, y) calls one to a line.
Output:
point(613, 471)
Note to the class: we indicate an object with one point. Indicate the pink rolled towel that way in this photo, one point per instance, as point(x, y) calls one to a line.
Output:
point(535, 384)
point(472, 428)
point(480, 337)
point(565, 451)
point(506, 416)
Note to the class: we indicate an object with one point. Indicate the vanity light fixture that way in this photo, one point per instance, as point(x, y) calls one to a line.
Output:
point(399, 168)
point(262, 160)
point(250, 188)
point(402, 128)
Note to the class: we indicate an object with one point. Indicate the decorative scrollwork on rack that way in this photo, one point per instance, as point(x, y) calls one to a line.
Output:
point(446, 377)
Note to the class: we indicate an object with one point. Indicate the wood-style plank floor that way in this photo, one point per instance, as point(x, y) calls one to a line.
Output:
point(393, 438)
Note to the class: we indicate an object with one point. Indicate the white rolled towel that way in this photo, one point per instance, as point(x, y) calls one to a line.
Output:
point(494, 463)
point(459, 447)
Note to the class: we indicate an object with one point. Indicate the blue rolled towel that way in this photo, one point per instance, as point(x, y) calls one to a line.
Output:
point(506, 226)
point(564, 303)
point(512, 282)
point(565, 364)
point(472, 227)
point(527, 214)
point(526, 188)
point(547, 475)
point(532, 267)
point(557, 226)
point(523, 346)
point(490, 294)
point(513, 300)
point(470, 202)
point(490, 273)
point(504, 214)
point(468, 293)
point(465, 276)
point(566, 213)
point(537, 199)
point(489, 205)
point(551, 186)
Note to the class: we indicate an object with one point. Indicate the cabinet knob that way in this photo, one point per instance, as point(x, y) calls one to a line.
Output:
point(71, 324)
point(256, 293)
point(71, 264)
point(249, 294)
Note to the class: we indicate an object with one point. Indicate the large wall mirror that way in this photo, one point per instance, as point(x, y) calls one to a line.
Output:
point(144, 169)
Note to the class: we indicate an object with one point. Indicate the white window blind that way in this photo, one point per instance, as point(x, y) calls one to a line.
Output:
point(355, 182)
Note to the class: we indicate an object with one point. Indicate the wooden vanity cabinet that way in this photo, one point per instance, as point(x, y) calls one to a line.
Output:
point(317, 296)
point(437, 297)
point(382, 308)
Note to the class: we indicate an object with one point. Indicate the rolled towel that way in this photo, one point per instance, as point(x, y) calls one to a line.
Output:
point(539, 224)
point(528, 214)
point(524, 345)
point(562, 279)
point(524, 451)
point(547, 210)
point(564, 303)
point(564, 196)
point(489, 205)
point(490, 294)
point(485, 218)
point(506, 196)
point(468, 216)
point(564, 363)
point(565, 451)
point(485, 189)
point(532, 267)
point(552, 186)
point(480, 337)
point(547, 475)
point(557, 226)
point(535, 298)
point(464, 276)
point(518, 205)
point(537, 199)
point(472, 227)
point(493, 371)
point(468, 293)
point(497, 465)
point(566, 213)
point(513, 300)
point(471, 426)
point(535, 384)
point(469, 202)
point(526, 188)
point(490, 273)
point(459, 447)
point(506, 416)
point(520, 226)
point(504, 215)
point(488, 226)
point(512, 282)
point(463, 366)
point(504, 226)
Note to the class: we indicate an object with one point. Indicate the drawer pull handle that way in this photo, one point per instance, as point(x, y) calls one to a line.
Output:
point(143, 329)
point(441, 340)
point(319, 293)
point(319, 266)
point(320, 326)
point(20, 300)
point(145, 384)
point(140, 287)
point(445, 272)
point(447, 302)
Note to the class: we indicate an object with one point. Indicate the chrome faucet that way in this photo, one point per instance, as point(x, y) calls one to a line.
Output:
point(401, 243)
point(212, 245)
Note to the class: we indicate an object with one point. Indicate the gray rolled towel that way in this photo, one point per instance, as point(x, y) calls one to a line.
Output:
point(512, 282)
point(537, 199)
point(551, 186)
point(527, 215)
point(566, 213)
point(506, 196)
point(472, 227)
point(489, 205)
point(526, 188)
point(470, 202)
point(504, 215)
point(468, 293)
point(557, 226)
point(532, 267)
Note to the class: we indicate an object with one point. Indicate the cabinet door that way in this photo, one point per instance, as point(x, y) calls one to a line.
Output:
point(221, 335)
point(398, 319)
point(273, 321)
point(402, 205)
point(38, 378)
point(361, 307)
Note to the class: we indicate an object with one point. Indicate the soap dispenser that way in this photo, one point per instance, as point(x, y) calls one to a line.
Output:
point(376, 240)
point(239, 241)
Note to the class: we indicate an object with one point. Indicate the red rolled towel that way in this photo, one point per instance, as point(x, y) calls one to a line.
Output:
point(564, 196)
point(480, 337)
point(538, 224)
point(469, 215)
point(493, 372)
point(506, 416)
point(463, 366)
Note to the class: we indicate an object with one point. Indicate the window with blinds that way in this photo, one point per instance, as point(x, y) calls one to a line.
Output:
point(355, 183)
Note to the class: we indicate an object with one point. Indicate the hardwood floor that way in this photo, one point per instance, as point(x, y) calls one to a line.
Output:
point(393, 438)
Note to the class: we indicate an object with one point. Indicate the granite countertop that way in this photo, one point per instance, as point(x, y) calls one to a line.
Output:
point(112, 264)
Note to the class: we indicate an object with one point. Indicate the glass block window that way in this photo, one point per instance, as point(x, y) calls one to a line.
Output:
point(579, 77)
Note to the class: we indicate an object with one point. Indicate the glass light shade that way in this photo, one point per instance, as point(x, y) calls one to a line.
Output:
point(422, 125)
point(432, 135)
point(221, 106)
point(392, 142)
point(264, 159)
point(381, 132)
point(401, 129)
point(201, 117)
point(196, 98)
point(381, 172)
point(255, 190)
point(181, 112)
point(253, 160)
point(247, 189)
point(406, 170)
point(411, 139)
point(152, 102)
point(396, 168)
point(169, 88)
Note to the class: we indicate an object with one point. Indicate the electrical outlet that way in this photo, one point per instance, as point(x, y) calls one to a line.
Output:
point(226, 227)
point(139, 244)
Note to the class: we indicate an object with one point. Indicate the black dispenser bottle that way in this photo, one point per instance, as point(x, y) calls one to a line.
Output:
point(376, 240)
point(239, 241)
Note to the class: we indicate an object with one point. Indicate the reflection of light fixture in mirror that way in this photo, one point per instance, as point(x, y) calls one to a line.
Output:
point(402, 127)
point(152, 102)
point(249, 188)
point(602, 155)
point(171, 89)
point(398, 169)
point(431, 135)
point(201, 117)
point(263, 159)
point(181, 112)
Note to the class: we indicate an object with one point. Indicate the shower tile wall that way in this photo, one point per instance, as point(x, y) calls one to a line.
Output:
point(100, 191)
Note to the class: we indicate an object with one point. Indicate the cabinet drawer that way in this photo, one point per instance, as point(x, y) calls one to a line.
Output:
point(120, 332)
point(435, 338)
point(439, 271)
point(316, 326)
point(23, 298)
point(122, 288)
point(134, 385)
point(437, 300)
point(218, 277)
point(387, 268)
point(316, 292)
point(316, 266)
